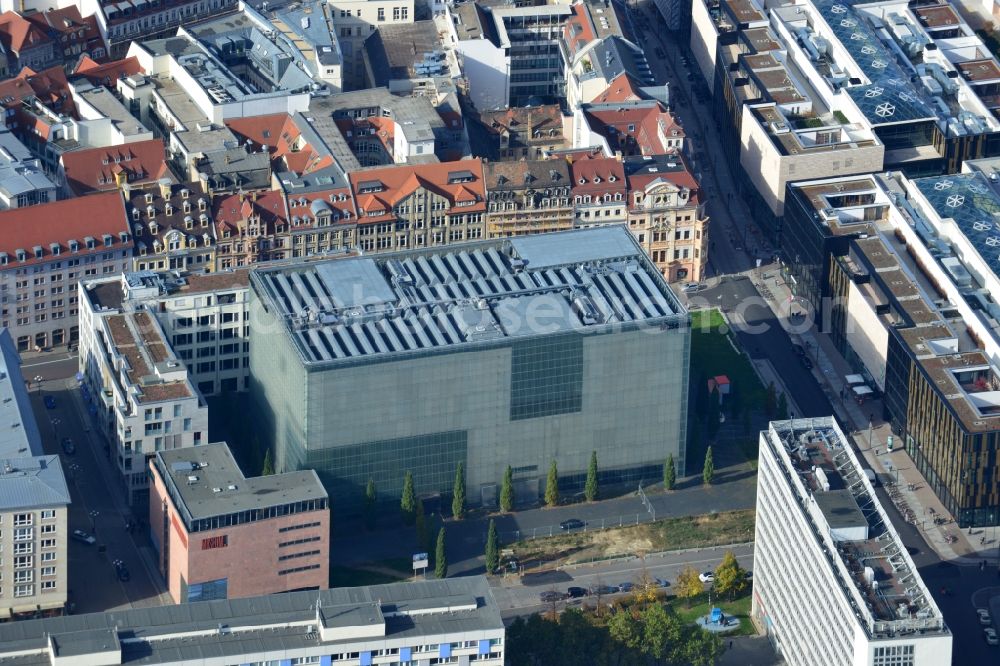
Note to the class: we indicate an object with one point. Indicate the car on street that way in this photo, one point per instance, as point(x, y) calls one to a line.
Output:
point(806, 363)
point(603, 589)
point(83, 537)
point(549, 596)
point(50, 402)
point(662, 582)
point(692, 287)
point(122, 571)
point(572, 524)
point(576, 592)
point(984, 617)
point(990, 634)
point(67, 446)
point(625, 587)
point(799, 350)
point(706, 577)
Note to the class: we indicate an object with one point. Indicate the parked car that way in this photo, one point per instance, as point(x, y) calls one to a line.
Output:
point(603, 589)
point(122, 571)
point(799, 350)
point(984, 617)
point(990, 634)
point(806, 363)
point(576, 592)
point(550, 596)
point(50, 402)
point(67, 446)
point(83, 537)
point(692, 287)
point(572, 524)
point(662, 582)
point(706, 577)
point(626, 587)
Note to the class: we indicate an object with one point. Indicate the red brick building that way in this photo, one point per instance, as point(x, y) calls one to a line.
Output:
point(219, 535)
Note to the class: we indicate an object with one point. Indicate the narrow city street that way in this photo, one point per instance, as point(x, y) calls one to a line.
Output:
point(98, 506)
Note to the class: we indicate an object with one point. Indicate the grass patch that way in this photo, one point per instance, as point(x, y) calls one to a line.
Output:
point(739, 608)
point(713, 353)
point(714, 529)
point(348, 577)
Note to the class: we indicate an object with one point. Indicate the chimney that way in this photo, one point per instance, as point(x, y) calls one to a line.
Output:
point(126, 190)
point(164, 184)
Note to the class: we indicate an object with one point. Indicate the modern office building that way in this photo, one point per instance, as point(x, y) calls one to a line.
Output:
point(902, 274)
point(446, 621)
point(833, 583)
point(507, 352)
point(219, 535)
point(33, 505)
point(139, 389)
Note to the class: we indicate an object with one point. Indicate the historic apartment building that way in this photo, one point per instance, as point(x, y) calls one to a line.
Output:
point(44, 251)
point(172, 226)
point(528, 197)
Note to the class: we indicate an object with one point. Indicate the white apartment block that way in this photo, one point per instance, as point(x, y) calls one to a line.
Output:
point(354, 21)
point(141, 391)
point(833, 582)
point(33, 501)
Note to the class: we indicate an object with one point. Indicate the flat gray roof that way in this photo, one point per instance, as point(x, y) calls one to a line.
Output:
point(19, 435)
point(840, 509)
point(281, 623)
point(207, 482)
point(31, 483)
point(381, 306)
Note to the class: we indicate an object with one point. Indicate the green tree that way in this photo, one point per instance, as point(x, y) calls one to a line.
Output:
point(770, 401)
point(626, 629)
point(507, 490)
point(423, 534)
point(268, 468)
point(370, 499)
point(591, 490)
point(657, 628)
point(458, 493)
point(440, 557)
point(492, 548)
point(408, 500)
point(708, 471)
point(669, 473)
point(782, 411)
point(688, 585)
point(730, 577)
point(552, 485)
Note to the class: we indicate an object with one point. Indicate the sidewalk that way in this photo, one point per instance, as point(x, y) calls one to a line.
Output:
point(863, 422)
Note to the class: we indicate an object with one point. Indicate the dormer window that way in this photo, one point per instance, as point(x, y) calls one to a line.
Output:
point(168, 209)
point(188, 222)
point(204, 220)
point(612, 178)
point(107, 240)
point(90, 242)
point(21, 254)
point(55, 248)
point(38, 251)
point(136, 214)
point(153, 228)
point(123, 236)
point(151, 212)
point(185, 193)
point(597, 179)
point(3, 258)
point(149, 197)
point(201, 204)
point(74, 246)
point(186, 206)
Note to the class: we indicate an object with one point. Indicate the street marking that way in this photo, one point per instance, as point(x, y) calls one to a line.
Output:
point(55, 360)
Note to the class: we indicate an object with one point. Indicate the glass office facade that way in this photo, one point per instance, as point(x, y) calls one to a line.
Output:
point(520, 402)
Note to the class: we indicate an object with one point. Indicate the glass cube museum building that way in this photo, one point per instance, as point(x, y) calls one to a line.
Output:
point(512, 352)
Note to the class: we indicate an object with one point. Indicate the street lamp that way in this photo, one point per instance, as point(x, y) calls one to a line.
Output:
point(38, 382)
point(93, 521)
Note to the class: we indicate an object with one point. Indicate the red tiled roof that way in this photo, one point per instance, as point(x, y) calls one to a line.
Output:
point(623, 88)
point(68, 20)
point(18, 34)
point(599, 175)
point(399, 182)
point(107, 73)
point(281, 135)
point(94, 169)
point(579, 31)
point(232, 209)
point(681, 178)
point(62, 221)
point(635, 130)
point(49, 86)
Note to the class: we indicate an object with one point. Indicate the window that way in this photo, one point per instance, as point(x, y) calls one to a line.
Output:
point(24, 561)
point(48, 529)
point(24, 591)
point(395, 13)
point(23, 534)
point(48, 585)
point(381, 13)
point(48, 571)
point(48, 543)
point(22, 519)
point(48, 557)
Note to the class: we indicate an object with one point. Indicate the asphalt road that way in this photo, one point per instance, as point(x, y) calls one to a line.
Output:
point(522, 597)
point(97, 507)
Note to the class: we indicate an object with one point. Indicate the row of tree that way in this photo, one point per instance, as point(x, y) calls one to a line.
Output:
point(730, 580)
point(411, 506)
